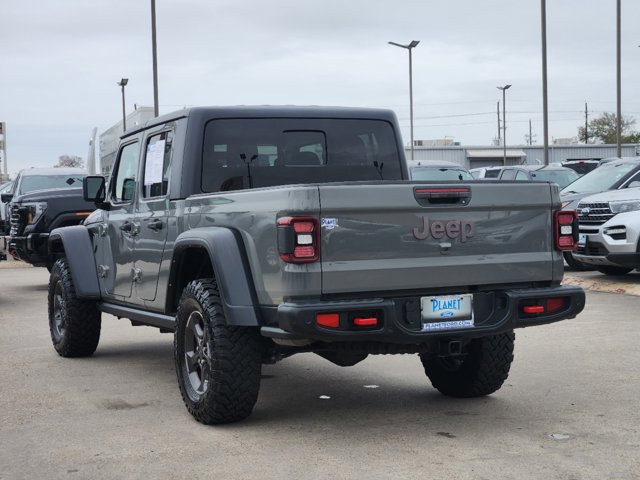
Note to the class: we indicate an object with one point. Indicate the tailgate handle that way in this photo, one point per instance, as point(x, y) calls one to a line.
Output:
point(440, 195)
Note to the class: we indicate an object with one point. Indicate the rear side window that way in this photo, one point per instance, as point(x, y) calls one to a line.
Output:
point(156, 166)
point(251, 153)
point(508, 174)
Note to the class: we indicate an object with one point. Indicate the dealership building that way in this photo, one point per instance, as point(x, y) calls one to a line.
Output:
point(490, 156)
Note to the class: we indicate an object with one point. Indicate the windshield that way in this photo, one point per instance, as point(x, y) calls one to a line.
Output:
point(442, 173)
point(601, 179)
point(30, 183)
point(561, 177)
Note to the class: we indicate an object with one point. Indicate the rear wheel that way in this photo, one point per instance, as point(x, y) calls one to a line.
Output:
point(480, 370)
point(610, 270)
point(218, 365)
point(74, 323)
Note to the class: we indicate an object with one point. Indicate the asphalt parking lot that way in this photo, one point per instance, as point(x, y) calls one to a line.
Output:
point(567, 411)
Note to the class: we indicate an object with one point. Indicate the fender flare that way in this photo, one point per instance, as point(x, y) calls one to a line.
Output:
point(78, 250)
point(230, 267)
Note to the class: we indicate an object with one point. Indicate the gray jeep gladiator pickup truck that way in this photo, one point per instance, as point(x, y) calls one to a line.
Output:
point(254, 233)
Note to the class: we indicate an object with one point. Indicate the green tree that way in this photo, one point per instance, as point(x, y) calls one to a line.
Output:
point(69, 161)
point(604, 130)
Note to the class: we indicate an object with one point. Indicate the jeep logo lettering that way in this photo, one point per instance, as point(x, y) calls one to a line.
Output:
point(460, 229)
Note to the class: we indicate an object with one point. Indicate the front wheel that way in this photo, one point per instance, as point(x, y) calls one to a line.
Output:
point(610, 270)
point(218, 365)
point(480, 370)
point(74, 323)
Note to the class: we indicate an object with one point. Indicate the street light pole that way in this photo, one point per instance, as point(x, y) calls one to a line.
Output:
point(618, 84)
point(154, 53)
point(545, 100)
point(504, 122)
point(122, 84)
point(412, 45)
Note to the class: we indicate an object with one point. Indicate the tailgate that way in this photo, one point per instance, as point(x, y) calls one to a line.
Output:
point(408, 236)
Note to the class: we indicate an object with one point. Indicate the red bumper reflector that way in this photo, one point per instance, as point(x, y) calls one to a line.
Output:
point(365, 322)
point(533, 309)
point(329, 320)
point(555, 304)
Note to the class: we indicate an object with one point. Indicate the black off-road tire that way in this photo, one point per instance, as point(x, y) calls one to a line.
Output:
point(481, 371)
point(218, 365)
point(611, 270)
point(74, 323)
point(576, 265)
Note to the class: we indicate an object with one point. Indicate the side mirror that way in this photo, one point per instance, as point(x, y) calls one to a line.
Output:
point(93, 190)
point(6, 197)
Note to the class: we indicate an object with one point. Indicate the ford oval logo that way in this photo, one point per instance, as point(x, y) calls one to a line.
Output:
point(585, 212)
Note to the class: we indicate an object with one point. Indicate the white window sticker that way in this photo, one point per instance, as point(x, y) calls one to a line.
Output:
point(154, 163)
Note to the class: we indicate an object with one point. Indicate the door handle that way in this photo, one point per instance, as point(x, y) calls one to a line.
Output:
point(155, 225)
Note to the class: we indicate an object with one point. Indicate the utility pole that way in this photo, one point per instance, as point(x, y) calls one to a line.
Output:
point(586, 123)
point(504, 122)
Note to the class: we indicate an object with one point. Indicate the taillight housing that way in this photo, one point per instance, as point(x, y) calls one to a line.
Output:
point(566, 230)
point(299, 239)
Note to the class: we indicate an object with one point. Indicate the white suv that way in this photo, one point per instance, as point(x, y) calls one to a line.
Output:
point(610, 231)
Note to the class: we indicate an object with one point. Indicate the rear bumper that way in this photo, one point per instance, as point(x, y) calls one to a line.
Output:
point(400, 319)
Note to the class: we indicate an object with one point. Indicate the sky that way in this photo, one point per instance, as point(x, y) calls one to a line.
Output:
point(61, 62)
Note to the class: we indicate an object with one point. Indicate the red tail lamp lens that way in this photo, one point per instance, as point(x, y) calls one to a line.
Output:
point(555, 304)
point(303, 227)
point(304, 252)
point(532, 309)
point(365, 322)
point(329, 320)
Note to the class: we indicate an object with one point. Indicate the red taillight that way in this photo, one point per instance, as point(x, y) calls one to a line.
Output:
point(566, 229)
point(556, 304)
point(329, 320)
point(298, 239)
point(365, 322)
point(548, 306)
point(533, 309)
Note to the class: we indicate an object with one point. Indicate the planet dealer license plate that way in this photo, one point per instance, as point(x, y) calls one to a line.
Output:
point(447, 312)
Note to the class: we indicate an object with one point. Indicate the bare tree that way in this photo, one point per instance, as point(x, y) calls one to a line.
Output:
point(69, 161)
point(603, 129)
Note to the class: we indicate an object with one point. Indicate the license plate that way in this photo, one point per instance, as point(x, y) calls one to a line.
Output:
point(582, 239)
point(447, 312)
